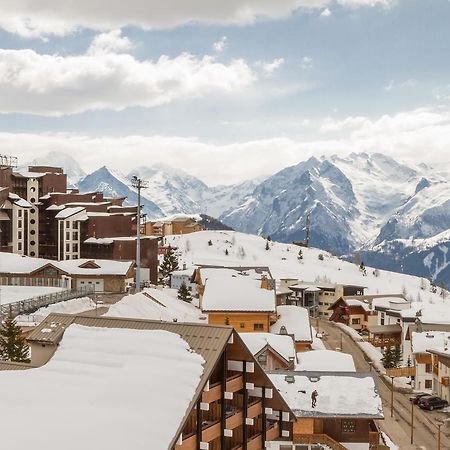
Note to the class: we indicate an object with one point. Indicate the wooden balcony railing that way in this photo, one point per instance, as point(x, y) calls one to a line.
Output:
point(234, 384)
point(273, 432)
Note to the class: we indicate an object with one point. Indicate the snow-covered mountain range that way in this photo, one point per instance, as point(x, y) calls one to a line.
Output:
point(396, 215)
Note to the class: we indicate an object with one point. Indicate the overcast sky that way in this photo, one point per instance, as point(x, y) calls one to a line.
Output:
point(227, 90)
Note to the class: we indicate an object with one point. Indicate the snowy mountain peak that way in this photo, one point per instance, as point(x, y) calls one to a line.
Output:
point(60, 159)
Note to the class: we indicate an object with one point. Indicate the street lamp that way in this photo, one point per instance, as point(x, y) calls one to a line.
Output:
point(392, 396)
point(138, 184)
point(439, 425)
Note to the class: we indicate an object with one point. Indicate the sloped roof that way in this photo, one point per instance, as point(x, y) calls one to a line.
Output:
point(237, 293)
point(205, 340)
point(296, 321)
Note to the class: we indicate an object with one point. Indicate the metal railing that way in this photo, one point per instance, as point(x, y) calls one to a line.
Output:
point(32, 304)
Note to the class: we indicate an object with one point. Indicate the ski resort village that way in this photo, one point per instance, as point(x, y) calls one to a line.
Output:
point(176, 333)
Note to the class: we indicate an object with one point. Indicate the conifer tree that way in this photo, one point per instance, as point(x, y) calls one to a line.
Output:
point(169, 264)
point(388, 360)
point(396, 357)
point(184, 294)
point(12, 344)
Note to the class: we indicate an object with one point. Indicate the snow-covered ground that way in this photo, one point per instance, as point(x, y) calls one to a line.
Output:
point(74, 306)
point(282, 260)
point(128, 388)
point(249, 250)
point(11, 294)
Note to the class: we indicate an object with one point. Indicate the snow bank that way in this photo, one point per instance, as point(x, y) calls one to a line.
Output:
point(74, 306)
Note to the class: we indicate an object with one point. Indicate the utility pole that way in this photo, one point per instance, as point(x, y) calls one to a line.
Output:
point(138, 184)
point(412, 423)
point(308, 229)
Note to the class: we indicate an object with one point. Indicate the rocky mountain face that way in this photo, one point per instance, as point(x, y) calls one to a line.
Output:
point(395, 215)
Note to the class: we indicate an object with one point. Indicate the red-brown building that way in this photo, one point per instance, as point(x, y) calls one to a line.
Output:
point(39, 217)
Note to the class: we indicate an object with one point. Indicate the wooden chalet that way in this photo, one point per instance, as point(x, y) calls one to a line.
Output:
point(332, 422)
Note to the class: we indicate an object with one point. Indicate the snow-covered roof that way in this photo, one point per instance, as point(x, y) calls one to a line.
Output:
point(428, 313)
point(156, 304)
point(237, 293)
point(27, 174)
point(141, 367)
point(437, 340)
point(69, 212)
point(296, 321)
point(19, 201)
point(283, 345)
point(340, 394)
point(325, 361)
point(105, 267)
point(55, 207)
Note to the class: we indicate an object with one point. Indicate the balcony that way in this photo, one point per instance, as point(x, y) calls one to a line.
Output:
point(273, 432)
point(318, 439)
point(234, 384)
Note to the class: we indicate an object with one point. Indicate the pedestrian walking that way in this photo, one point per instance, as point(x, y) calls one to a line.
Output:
point(314, 396)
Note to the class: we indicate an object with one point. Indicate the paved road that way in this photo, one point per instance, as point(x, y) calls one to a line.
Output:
point(398, 427)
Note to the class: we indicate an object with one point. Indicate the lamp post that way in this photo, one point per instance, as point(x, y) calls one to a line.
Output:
point(392, 396)
point(412, 422)
point(439, 425)
point(138, 184)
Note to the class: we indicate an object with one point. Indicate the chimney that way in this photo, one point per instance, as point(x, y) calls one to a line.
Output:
point(264, 282)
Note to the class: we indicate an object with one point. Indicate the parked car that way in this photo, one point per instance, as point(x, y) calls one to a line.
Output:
point(415, 398)
point(431, 403)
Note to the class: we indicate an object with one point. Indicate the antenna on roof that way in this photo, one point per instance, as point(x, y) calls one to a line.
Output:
point(8, 161)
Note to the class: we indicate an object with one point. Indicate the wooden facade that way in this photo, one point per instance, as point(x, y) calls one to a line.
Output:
point(243, 322)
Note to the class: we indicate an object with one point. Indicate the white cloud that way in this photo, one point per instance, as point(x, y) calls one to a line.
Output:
point(220, 45)
point(111, 42)
point(306, 62)
point(418, 135)
point(56, 85)
point(391, 85)
point(44, 17)
point(269, 67)
point(326, 12)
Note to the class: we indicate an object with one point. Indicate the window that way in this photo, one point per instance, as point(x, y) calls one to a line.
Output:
point(19, 224)
point(428, 384)
point(242, 325)
point(75, 235)
point(75, 248)
point(67, 224)
point(67, 236)
point(262, 359)
point(32, 232)
point(428, 368)
point(67, 247)
point(356, 321)
point(19, 246)
point(258, 326)
point(32, 221)
point(348, 426)
point(19, 213)
point(19, 234)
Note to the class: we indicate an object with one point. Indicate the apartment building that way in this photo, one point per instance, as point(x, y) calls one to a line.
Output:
point(40, 217)
point(228, 403)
